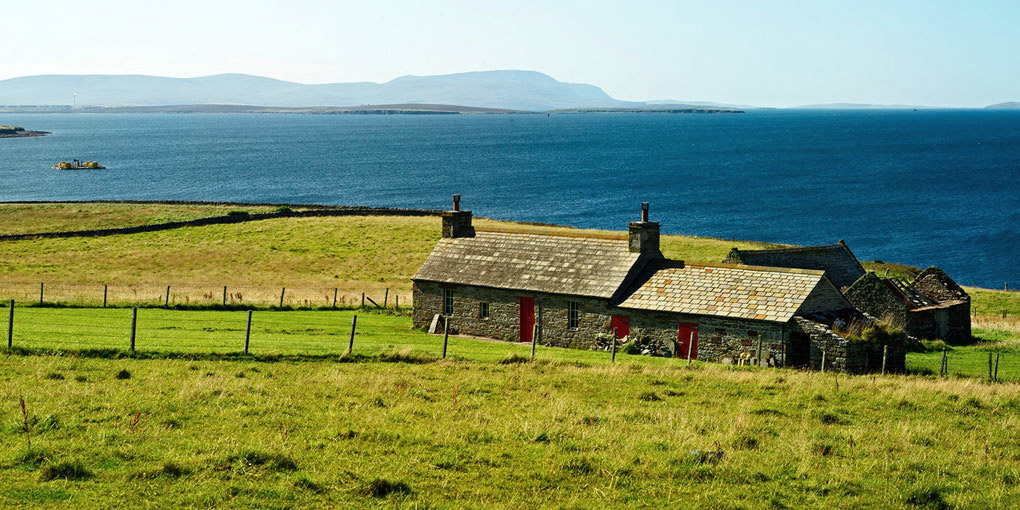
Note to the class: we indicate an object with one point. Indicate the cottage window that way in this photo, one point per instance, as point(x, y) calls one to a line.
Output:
point(447, 301)
point(483, 310)
point(573, 317)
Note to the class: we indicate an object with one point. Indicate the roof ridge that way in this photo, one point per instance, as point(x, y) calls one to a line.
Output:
point(571, 235)
point(771, 269)
point(796, 248)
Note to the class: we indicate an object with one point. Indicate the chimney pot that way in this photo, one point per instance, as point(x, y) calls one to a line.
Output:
point(644, 211)
point(456, 202)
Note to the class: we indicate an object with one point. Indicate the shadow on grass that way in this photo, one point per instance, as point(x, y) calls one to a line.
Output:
point(384, 357)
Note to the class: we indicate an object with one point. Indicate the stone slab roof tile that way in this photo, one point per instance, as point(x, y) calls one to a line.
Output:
point(580, 266)
point(727, 291)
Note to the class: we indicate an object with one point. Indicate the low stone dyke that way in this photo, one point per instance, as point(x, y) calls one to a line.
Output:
point(316, 211)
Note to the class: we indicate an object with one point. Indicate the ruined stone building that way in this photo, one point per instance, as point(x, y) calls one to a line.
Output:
point(576, 290)
point(932, 306)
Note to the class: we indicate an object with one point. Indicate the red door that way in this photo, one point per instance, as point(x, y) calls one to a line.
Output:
point(527, 318)
point(687, 338)
point(621, 323)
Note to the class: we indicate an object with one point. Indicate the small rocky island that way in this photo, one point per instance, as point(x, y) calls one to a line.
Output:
point(19, 132)
point(79, 165)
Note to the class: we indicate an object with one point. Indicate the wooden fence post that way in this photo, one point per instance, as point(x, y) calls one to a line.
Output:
point(534, 339)
point(247, 333)
point(334, 296)
point(10, 326)
point(362, 299)
point(282, 292)
point(690, 349)
point(396, 302)
point(885, 352)
point(167, 302)
point(823, 361)
point(41, 297)
point(945, 364)
point(446, 334)
point(995, 377)
point(134, 326)
point(105, 288)
point(224, 295)
point(613, 349)
point(354, 326)
point(783, 353)
point(386, 298)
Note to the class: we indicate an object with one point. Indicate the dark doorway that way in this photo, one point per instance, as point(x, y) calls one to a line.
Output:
point(798, 350)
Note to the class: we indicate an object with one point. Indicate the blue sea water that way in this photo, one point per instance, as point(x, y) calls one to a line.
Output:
point(923, 188)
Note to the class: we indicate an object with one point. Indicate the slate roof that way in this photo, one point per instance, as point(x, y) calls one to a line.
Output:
point(572, 265)
point(743, 292)
point(838, 262)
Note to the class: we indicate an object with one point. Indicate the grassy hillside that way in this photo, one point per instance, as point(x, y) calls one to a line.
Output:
point(309, 256)
point(461, 434)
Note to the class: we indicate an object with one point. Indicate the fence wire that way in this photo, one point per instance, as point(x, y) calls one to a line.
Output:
point(314, 333)
point(344, 295)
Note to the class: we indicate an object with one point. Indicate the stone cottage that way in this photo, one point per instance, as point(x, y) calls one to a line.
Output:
point(933, 306)
point(577, 290)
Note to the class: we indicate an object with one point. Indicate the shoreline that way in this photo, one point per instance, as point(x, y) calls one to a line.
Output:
point(25, 134)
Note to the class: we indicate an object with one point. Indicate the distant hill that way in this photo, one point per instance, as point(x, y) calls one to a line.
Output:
point(513, 90)
point(1011, 105)
point(381, 109)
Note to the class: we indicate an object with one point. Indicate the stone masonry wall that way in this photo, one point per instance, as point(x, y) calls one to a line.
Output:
point(825, 297)
point(504, 314)
point(872, 296)
point(844, 355)
point(720, 340)
point(949, 320)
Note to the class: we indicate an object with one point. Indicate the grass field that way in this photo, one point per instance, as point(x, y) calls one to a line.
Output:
point(455, 434)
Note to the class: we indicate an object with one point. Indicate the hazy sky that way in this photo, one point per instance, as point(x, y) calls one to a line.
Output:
point(769, 53)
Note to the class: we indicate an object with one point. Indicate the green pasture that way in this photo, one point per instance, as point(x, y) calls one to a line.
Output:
point(288, 334)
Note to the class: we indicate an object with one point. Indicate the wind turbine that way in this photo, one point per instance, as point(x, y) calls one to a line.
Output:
point(74, 101)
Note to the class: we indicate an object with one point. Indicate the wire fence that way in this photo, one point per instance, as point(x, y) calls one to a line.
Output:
point(159, 331)
point(204, 295)
point(320, 333)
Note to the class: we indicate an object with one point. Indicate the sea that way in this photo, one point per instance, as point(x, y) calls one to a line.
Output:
point(927, 187)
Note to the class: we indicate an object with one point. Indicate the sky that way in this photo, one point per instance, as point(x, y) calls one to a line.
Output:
point(761, 53)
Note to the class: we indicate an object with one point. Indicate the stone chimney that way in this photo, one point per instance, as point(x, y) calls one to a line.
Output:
point(644, 234)
point(457, 223)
